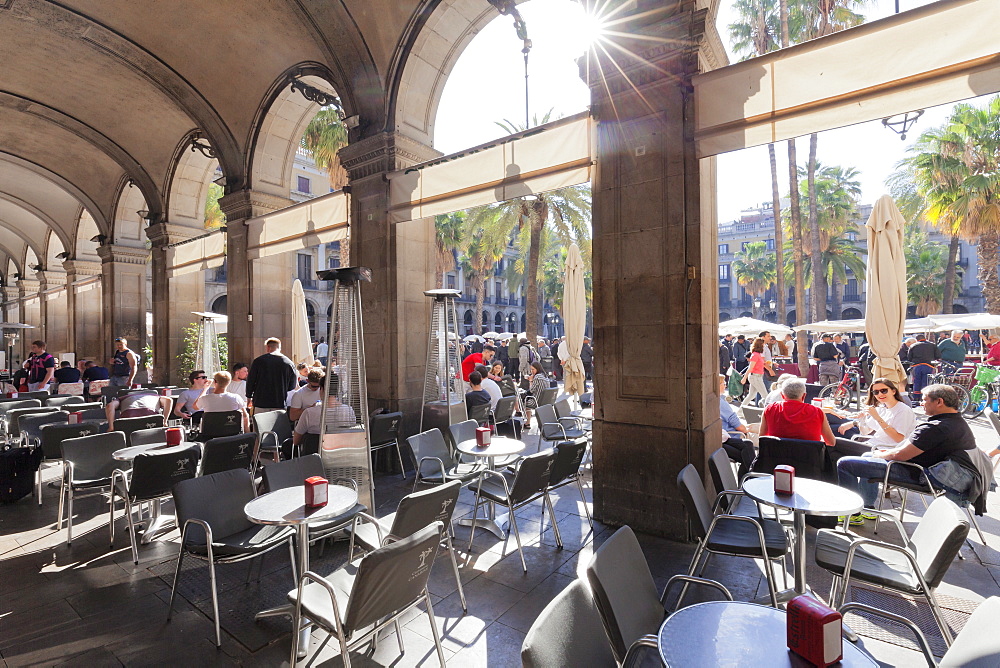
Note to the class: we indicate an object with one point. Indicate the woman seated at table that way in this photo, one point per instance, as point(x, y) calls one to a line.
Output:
point(792, 418)
point(496, 372)
point(537, 381)
point(221, 400)
point(888, 421)
point(738, 448)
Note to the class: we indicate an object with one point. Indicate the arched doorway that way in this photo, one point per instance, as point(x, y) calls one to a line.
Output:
point(724, 317)
point(311, 316)
point(467, 321)
point(498, 322)
point(219, 305)
point(790, 318)
point(852, 314)
point(746, 314)
point(959, 308)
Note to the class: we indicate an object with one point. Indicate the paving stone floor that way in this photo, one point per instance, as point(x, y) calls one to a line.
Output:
point(84, 605)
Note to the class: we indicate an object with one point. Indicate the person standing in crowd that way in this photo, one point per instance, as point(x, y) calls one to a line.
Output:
point(307, 395)
point(124, 364)
point(524, 356)
point(922, 355)
point(725, 357)
point(793, 418)
point(322, 351)
point(545, 356)
point(41, 367)
point(827, 357)
point(865, 359)
point(739, 449)
point(727, 341)
point(953, 351)
point(470, 361)
point(992, 345)
point(557, 369)
point(741, 353)
point(768, 353)
point(755, 373)
point(272, 376)
point(239, 382)
point(587, 357)
point(945, 435)
point(844, 347)
point(904, 352)
point(221, 400)
point(67, 374)
point(513, 354)
point(789, 346)
point(501, 354)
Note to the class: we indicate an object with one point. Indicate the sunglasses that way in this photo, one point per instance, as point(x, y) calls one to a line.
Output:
point(201, 377)
point(884, 390)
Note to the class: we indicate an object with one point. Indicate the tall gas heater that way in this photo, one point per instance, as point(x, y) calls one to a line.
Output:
point(207, 355)
point(345, 442)
point(444, 390)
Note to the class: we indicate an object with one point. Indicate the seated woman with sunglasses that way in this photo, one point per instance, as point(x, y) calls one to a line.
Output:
point(888, 421)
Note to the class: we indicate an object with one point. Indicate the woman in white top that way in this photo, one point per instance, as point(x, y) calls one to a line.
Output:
point(220, 400)
point(888, 421)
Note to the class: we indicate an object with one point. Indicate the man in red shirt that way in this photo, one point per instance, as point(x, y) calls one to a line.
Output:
point(470, 362)
point(793, 418)
point(993, 354)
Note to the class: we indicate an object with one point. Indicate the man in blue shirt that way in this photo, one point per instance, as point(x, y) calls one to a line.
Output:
point(739, 449)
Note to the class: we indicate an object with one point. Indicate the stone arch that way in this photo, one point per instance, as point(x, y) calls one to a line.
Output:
point(86, 229)
point(746, 314)
point(486, 318)
point(192, 174)
point(959, 308)
point(128, 227)
point(53, 246)
point(219, 304)
point(724, 317)
point(25, 214)
point(852, 314)
point(30, 260)
point(281, 119)
point(311, 313)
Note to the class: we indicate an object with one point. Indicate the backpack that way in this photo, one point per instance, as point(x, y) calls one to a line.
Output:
point(17, 472)
point(532, 355)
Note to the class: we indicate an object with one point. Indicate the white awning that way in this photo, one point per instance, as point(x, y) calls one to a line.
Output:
point(205, 252)
point(317, 221)
point(942, 52)
point(550, 156)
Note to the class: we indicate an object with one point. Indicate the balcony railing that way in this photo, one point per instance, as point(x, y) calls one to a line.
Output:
point(309, 283)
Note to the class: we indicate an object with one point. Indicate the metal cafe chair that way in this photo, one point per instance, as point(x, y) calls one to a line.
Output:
point(223, 423)
point(566, 471)
point(152, 476)
point(13, 418)
point(415, 511)
point(356, 603)
point(275, 430)
point(148, 436)
point(434, 462)
point(228, 452)
point(87, 465)
point(384, 430)
point(52, 436)
point(548, 644)
point(552, 428)
point(30, 425)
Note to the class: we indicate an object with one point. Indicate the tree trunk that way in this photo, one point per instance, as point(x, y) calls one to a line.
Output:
point(479, 283)
point(989, 245)
point(783, 18)
point(837, 305)
point(779, 242)
point(815, 242)
point(800, 284)
point(538, 207)
point(948, 301)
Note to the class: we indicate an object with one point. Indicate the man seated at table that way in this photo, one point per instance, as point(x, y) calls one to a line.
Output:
point(991, 344)
point(337, 415)
point(738, 448)
point(138, 404)
point(67, 374)
point(477, 396)
point(307, 395)
point(221, 400)
point(490, 385)
point(943, 436)
point(792, 418)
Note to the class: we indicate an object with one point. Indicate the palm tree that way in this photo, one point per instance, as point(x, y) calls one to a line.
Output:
point(925, 268)
point(755, 268)
point(214, 218)
point(478, 258)
point(325, 135)
point(757, 33)
point(449, 229)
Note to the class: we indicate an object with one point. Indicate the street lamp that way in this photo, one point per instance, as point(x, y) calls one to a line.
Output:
point(756, 306)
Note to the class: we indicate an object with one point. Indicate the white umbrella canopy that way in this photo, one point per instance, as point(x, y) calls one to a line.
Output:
point(967, 320)
point(886, 278)
point(472, 337)
point(301, 349)
point(492, 335)
point(845, 326)
point(574, 311)
point(751, 326)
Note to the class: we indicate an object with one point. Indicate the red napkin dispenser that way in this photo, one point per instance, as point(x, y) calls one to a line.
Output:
point(75, 418)
point(317, 489)
point(12, 395)
point(483, 436)
point(174, 436)
point(814, 631)
point(784, 479)
point(164, 391)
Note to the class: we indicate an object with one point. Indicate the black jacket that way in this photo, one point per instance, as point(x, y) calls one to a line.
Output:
point(724, 357)
point(271, 378)
point(976, 461)
point(923, 352)
point(740, 352)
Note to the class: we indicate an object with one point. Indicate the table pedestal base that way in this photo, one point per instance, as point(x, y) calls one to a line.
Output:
point(496, 525)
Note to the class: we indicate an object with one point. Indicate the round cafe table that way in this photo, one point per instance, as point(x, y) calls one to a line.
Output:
point(727, 633)
point(811, 497)
point(500, 446)
point(287, 507)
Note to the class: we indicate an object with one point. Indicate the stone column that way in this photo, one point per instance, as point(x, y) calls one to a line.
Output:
point(30, 313)
point(53, 310)
point(124, 300)
point(12, 313)
point(83, 309)
point(654, 293)
point(258, 292)
point(173, 299)
point(401, 257)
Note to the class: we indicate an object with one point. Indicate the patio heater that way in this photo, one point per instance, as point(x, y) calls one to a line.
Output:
point(206, 353)
point(444, 391)
point(345, 442)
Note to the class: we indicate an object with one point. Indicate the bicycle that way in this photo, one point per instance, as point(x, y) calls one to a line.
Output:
point(986, 389)
point(848, 389)
point(961, 383)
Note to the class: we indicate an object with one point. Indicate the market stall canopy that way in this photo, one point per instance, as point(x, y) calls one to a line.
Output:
point(751, 326)
point(844, 326)
point(967, 320)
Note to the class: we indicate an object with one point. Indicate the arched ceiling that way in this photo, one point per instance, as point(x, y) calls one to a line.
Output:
point(97, 93)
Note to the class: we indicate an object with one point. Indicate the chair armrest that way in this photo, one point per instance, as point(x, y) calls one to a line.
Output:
point(119, 476)
point(924, 645)
point(858, 542)
point(692, 580)
point(208, 534)
point(635, 656)
point(379, 529)
point(892, 518)
point(351, 482)
point(918, 467)
point(440, 463)
point(323, 582)
point(272, 434)
point(723, 495)
point(556, 424)
point(503, 480)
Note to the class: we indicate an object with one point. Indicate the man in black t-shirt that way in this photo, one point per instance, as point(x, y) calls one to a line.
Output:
point(827, 356)
point(943, 434)
point(272, 376)
point(921, 356)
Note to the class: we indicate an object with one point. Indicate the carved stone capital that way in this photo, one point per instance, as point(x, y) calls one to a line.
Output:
point(122, 254)
point(384, 153)
point(246, 204)
point(49, 279)
point(28, 287)
point(75, 268)
point(164, 234)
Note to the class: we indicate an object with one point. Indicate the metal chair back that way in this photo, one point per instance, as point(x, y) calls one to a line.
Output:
point(547, 419)
point(752, 414)
point(480, 414)
point(430, 443)
point(504, 410)
point(59, 402)
point(14, 418)
point(391, 578)
point(563, 408)
point(549, 643)
point(129, 425)
point(30, 424)
point(223, 423)
point(547, 396)
point(462, 431)
point(569, 458)
point(273, 421)
point(978, 645)
point(309, 445)
point(696, 503)
point(148, 436)
point(938, 538)
point(84, 406)
point(292, 472)
point(624, 591)
point(721, 471)
point(385, 429)
point(217, 499)
point(41, 395)
point(13, 404)
point(91, 455)
point(92, 414)
point(419, 509)
point(810, 458)
point(228, 452)
point(52, 435)
point(155, 473)
point(532, 476)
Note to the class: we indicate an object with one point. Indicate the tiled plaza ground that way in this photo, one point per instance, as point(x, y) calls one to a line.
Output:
point(85, 605)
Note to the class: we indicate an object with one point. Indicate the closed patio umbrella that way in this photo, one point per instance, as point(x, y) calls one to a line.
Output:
point(886, 277)
point(574, 310)
point(301, 351)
